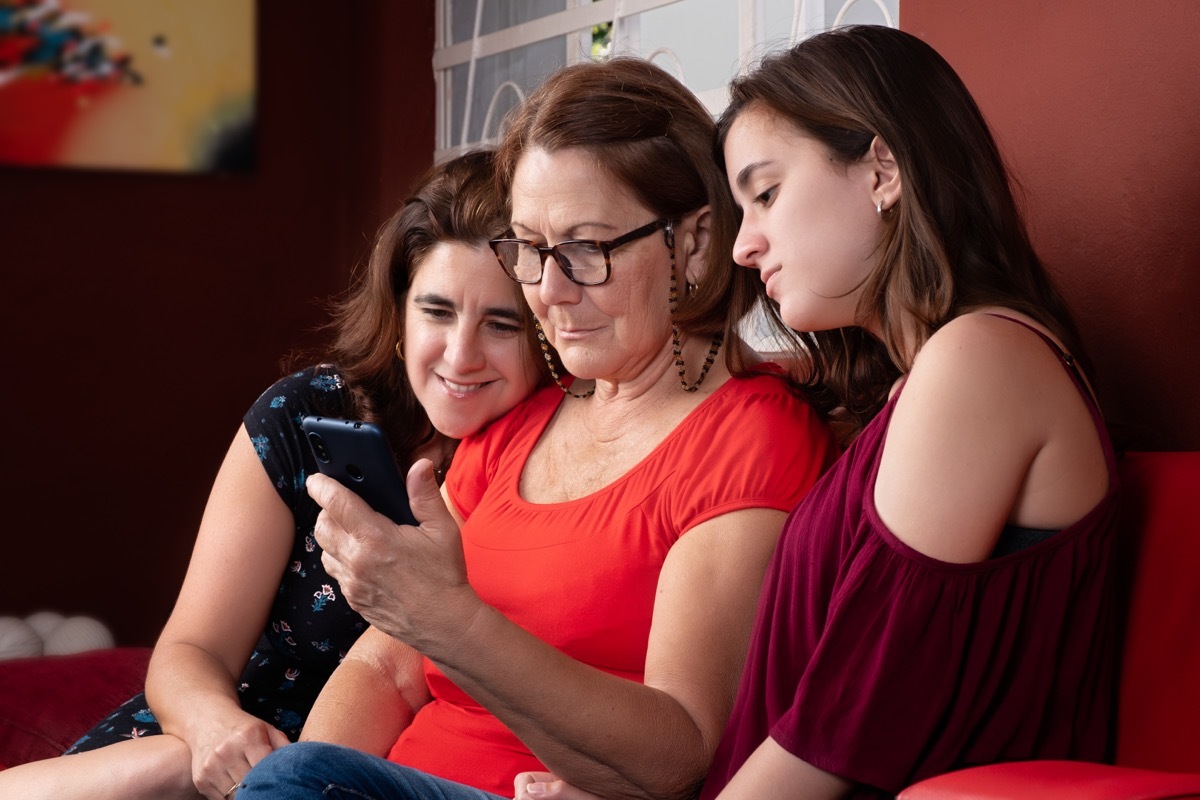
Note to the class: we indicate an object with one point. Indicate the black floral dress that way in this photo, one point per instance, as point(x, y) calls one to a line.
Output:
point(310, 626)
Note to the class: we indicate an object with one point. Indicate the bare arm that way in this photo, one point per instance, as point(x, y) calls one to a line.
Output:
point(234, 573)
point(603, 733)
point(990, 430)
point(771, 771)
point(371, 697)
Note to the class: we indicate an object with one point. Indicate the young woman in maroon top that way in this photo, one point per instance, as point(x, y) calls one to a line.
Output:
point(943, 596)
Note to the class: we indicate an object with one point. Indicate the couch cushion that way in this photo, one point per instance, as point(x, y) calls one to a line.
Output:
point(48, 703)
point(1160, 682)
point(1054, 779)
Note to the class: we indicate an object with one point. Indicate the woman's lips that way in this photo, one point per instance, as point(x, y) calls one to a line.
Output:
point(768, 273)
point(462, 388)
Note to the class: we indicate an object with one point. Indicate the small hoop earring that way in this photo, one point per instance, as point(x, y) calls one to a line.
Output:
point(879, 209)
point(400, 348)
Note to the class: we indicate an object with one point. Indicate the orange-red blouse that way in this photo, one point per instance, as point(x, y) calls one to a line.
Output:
point(582, 575)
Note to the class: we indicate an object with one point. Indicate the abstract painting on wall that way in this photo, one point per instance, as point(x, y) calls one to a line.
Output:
point(160, 85)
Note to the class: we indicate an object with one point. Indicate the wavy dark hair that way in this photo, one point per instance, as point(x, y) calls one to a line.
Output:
point(953, 242)
point(649, 132)
point(454, 202)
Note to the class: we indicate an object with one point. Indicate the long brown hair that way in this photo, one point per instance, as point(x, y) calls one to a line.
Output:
point(953, 242)
point(454, 202)
point(650, 133)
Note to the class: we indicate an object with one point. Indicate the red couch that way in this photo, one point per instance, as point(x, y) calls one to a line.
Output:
point(1158, 724)
point(47, 703)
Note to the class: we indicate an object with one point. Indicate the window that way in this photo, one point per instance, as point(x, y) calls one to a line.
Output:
point(491, 53)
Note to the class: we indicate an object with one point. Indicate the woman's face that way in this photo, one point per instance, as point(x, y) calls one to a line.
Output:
point(610, 332)
point(809, 224)
point(465, 346)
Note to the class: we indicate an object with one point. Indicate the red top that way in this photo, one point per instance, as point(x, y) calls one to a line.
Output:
point(884, 666)
point(582, 575)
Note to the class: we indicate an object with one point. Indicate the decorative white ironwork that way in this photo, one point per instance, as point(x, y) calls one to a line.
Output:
point(670, 56)
point(887, 14)
point(491, 111)
point(476, 72)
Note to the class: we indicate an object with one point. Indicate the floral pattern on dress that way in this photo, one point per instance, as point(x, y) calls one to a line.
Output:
point(311, 626)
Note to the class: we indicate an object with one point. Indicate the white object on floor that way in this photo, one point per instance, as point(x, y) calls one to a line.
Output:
point(50, 633)
point(76, 635)
point(18, 639)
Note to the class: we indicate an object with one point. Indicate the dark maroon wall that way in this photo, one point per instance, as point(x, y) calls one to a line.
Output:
point(1096, 103)
point(142, 313)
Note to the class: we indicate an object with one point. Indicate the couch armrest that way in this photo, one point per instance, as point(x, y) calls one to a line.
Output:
point(1058, 779)
point(47, 703)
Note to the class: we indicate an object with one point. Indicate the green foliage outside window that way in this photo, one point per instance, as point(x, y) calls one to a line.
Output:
point(601, 40)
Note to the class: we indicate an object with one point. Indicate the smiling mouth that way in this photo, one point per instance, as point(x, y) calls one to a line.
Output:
point(462, 388)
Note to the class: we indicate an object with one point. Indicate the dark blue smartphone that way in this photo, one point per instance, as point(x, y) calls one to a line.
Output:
point(357, 455)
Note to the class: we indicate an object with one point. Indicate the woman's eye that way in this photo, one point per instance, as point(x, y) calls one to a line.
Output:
point(765, 198)
point(503, 328)
point(435, 313)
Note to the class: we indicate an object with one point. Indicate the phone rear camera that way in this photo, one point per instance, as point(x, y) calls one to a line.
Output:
point(318, 447)
point(354, 472)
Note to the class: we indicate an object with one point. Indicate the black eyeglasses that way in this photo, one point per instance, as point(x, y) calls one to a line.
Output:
point(583, 261)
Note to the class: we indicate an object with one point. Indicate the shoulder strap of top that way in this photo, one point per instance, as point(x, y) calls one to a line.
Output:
point(1085, 390)
point(1066, 358)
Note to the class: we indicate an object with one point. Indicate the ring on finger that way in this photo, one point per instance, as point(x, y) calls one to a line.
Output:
point(232, 789)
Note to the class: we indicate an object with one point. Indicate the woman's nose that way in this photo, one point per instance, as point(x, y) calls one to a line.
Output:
point(464, 351)
point(748, 246)
point(555, 287)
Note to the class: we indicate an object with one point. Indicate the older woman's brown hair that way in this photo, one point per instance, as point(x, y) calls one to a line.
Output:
point(954, 241)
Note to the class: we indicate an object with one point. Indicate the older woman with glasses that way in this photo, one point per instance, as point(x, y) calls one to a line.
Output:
point(583, 599)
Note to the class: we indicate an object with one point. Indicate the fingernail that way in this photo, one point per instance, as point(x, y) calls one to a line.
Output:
point(536, 790)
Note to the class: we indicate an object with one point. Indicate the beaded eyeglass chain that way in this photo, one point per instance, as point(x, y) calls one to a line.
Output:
point(673, 302)
point(541, 337)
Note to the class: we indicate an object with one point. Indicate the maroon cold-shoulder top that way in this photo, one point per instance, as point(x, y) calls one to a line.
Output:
point(884, 666)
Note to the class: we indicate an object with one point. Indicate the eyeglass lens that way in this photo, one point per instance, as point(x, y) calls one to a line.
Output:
point(583, 261)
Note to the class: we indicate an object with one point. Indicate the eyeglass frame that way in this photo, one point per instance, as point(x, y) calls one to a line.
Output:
point(606, 247)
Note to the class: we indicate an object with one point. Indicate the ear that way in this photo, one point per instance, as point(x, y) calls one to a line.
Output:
point(692, 243)
point(885, 174)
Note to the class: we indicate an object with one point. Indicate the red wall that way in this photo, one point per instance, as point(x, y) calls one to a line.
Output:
point(1096, 104)
point(143, 313)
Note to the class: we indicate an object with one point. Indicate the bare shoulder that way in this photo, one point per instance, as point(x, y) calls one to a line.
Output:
point(984, 346)
point(972, 374)
point(986, 414)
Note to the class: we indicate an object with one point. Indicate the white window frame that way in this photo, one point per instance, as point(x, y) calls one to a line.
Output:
point(574, 24)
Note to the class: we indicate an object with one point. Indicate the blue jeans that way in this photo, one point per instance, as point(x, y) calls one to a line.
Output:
point(316, 771)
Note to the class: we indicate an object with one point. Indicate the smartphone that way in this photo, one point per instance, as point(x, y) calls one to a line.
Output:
point(357, 455)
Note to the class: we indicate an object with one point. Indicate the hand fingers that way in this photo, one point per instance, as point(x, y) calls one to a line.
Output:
point(424, 496)
point(330, 495)
point(277, 739)
point(345, 518)
point(546, 786)
point(228, 763)
point(523, 779)
point(223, 788)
